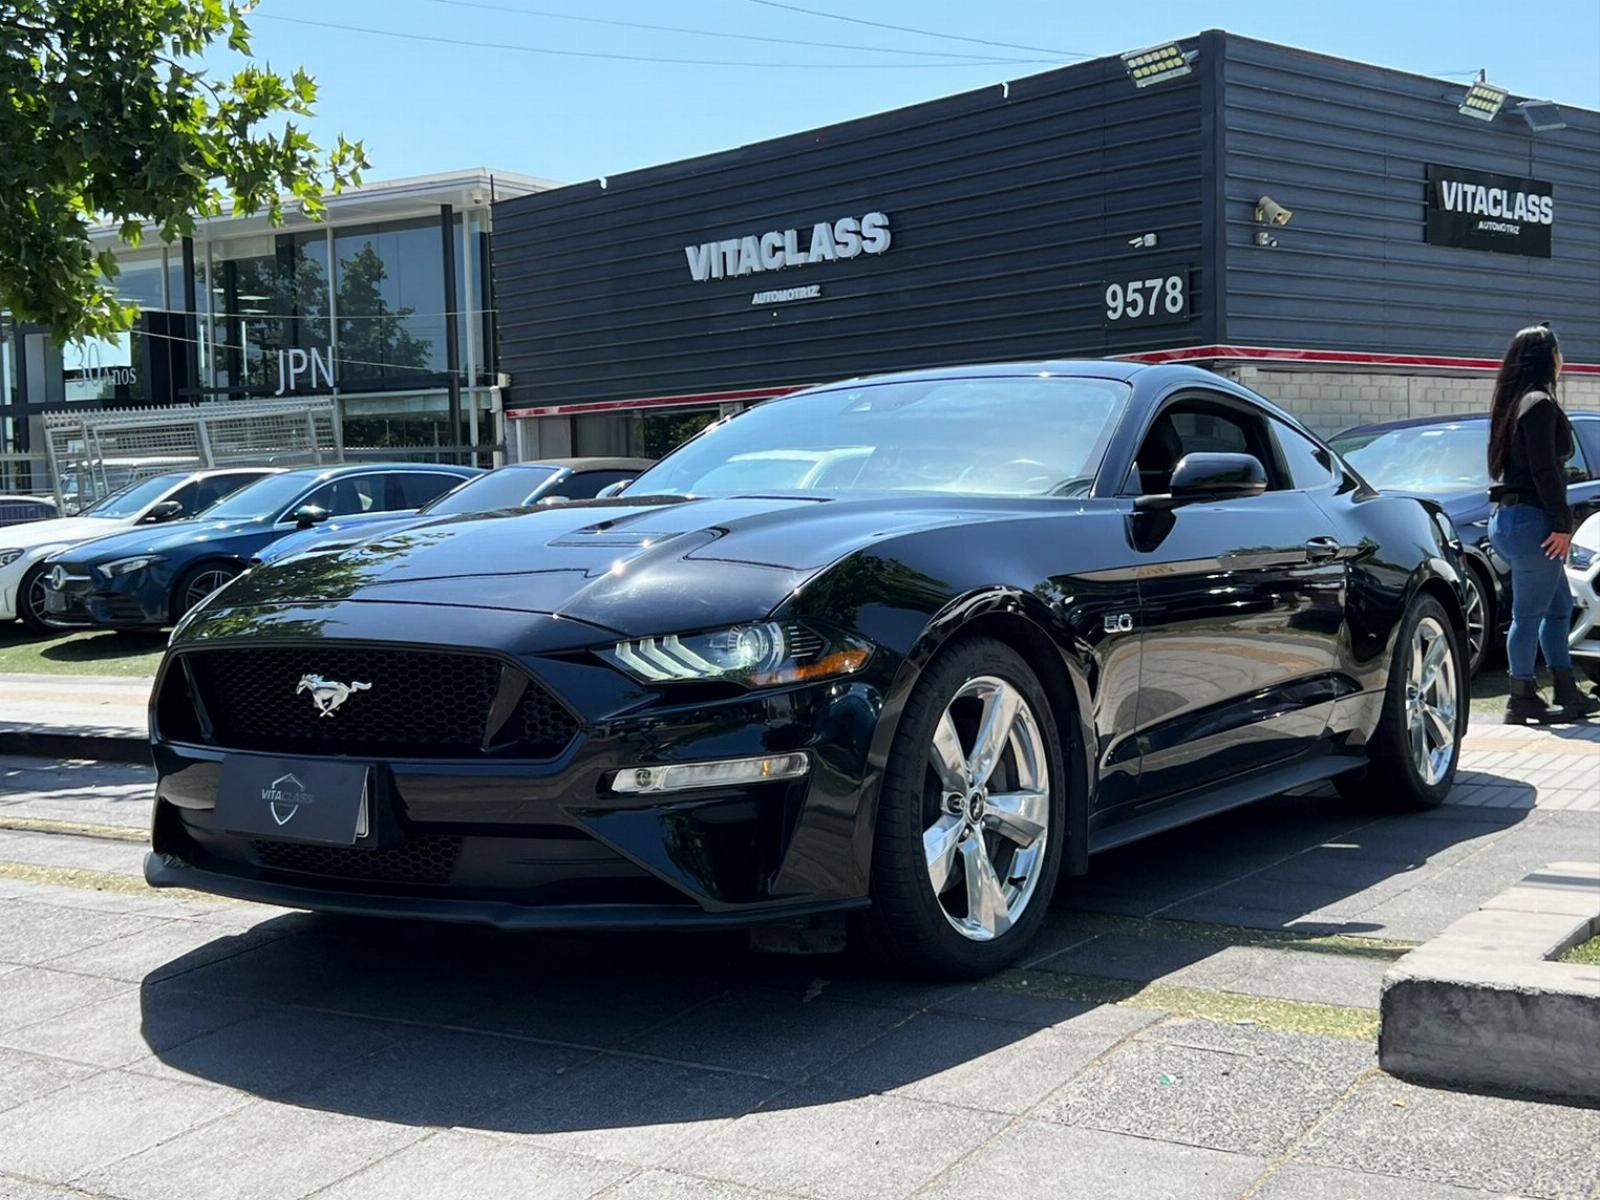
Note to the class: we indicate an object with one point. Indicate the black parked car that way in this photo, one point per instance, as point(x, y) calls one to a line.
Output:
point(1036, 611)
point(1446, 459)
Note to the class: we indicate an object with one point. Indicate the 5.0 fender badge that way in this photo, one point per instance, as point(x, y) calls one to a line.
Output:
point(328, 695)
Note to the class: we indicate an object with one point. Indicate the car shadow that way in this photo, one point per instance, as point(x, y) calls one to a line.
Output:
point(571, 1036)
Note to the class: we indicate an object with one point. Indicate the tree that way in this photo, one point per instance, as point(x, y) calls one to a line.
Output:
point(105, 117)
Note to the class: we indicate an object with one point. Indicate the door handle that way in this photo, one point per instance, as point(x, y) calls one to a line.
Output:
point(1321, 549)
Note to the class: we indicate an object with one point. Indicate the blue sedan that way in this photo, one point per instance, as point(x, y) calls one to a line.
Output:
point(148, 578)
point(516, 485)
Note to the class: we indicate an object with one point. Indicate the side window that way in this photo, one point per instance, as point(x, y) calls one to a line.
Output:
point(1588, 442)
point(1188, 427)
point(586, 485)
point(350, 497)
point(1308, 464)
point(187, 498)
point(1578, 470)
point(416, 488)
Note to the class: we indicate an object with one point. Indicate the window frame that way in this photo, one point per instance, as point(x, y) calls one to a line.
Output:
point(1227, 403)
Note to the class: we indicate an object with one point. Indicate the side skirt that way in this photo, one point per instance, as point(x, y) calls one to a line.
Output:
point(1230, 794)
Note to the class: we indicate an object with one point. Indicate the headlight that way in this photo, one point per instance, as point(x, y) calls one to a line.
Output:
point(127, 566)
point(761, 655)
point(7, 557)
point(1580, 558)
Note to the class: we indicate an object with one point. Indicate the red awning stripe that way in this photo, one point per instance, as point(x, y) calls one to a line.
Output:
point(1329, 357)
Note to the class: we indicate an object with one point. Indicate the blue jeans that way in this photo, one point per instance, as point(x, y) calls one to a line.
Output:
point(1541, 601)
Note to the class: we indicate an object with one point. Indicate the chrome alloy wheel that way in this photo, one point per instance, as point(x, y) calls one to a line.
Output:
point(988, 797)
point(1431, 701)
point(204, 584)
point(1477, 614)
point(33, 597)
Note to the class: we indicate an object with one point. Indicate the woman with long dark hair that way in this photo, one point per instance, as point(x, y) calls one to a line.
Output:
point(1530, 440)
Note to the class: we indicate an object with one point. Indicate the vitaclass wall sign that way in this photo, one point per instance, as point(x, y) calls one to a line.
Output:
point(1478, 210)
point(826, 241)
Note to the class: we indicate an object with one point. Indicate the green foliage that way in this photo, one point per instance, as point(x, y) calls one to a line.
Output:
point(105, 118)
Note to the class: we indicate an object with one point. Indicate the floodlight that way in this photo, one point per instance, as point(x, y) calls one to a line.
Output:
point(1483, 101)
point(1542, 116)
point(1158, 63)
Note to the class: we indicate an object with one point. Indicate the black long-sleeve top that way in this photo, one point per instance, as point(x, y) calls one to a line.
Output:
point(1536, 460)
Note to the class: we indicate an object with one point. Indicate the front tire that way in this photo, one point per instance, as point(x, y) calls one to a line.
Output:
point(30, 602)
point(971, 817)
point(198, 583)
point(1416, 748)
point(1481, 619)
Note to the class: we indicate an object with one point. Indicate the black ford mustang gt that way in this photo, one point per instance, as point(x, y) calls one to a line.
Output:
point(911, 646)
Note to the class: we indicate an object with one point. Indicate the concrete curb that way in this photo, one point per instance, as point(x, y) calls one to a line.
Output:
point(1483, 1005)
point(65, 741)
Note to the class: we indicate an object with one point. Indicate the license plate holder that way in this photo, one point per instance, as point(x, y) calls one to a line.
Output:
point(324, 802)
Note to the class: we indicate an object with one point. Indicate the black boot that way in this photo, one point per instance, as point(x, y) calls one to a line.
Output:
point(1527, 707)
point(1570, 697)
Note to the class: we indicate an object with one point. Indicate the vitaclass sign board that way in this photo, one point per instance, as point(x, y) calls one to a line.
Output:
point(777, 249)
point(1477, 210)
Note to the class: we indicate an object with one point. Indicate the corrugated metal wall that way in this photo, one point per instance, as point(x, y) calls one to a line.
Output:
point(1009, 214)
point(1345, 146)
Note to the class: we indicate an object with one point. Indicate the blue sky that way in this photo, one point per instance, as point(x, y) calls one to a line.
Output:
point(425, 106)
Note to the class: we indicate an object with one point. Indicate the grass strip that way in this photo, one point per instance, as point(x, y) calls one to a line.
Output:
point(1230, 1008)
point(1584, 953)
point(101, 881)
point(1239, 935)
point(110, 833)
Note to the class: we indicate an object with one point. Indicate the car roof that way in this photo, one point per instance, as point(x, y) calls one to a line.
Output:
point(339, 469)
point(1440, 421)
point(590, 464)
point(1092, 368)
point(207, 472)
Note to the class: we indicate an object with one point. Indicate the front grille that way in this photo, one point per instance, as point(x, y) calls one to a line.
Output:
point(418, 703)
point(429, 858)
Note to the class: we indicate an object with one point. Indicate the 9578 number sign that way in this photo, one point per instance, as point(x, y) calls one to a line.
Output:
point(1156, 298)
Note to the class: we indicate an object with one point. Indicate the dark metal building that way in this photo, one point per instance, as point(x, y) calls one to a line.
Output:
point(1345, 237)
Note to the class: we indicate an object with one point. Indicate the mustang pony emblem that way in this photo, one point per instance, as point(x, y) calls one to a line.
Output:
point(328, 695)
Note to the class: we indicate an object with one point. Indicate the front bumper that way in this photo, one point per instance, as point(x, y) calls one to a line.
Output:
point(547, 844)
point(88, 598)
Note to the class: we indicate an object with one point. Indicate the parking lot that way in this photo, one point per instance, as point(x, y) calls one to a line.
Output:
point(1197, 1021)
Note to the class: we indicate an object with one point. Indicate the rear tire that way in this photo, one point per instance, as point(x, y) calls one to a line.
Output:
point(986, 816)
point(1482, 622)
point(1415, 750)
point(30, 602)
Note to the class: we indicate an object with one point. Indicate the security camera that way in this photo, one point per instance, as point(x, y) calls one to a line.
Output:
point(1269, 210)
point(1263, 238)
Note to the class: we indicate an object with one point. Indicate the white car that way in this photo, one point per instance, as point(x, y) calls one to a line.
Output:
point(1583, 573)
point(167, 497)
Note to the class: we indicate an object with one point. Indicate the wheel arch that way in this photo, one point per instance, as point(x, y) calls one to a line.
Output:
point(1020, 620)
point(181, 579)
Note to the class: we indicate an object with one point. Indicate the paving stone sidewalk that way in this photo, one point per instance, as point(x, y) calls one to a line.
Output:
point(1195, 1022)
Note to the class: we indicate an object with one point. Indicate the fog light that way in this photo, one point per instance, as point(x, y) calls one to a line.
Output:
point(684, 777)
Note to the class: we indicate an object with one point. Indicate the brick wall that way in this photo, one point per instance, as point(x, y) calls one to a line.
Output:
point(1329, 401)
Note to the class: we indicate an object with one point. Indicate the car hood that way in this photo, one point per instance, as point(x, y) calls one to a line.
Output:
point(59, 530)
point(163, 539)
point(632, 566)
point(337, 534)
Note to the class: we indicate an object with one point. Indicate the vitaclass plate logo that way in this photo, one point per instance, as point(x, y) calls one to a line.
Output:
point(284, 796)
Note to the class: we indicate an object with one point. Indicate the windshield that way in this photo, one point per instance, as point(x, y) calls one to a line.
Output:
point(508, 487)
point(259, 500)
point(135, 498)
point(1001, 436)
point(1426, 458)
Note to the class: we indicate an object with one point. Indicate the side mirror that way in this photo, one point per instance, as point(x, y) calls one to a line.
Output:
point(167, 510)
point(308, 515)
point(612, 489)
point(553, 501)
point(1208, 476)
